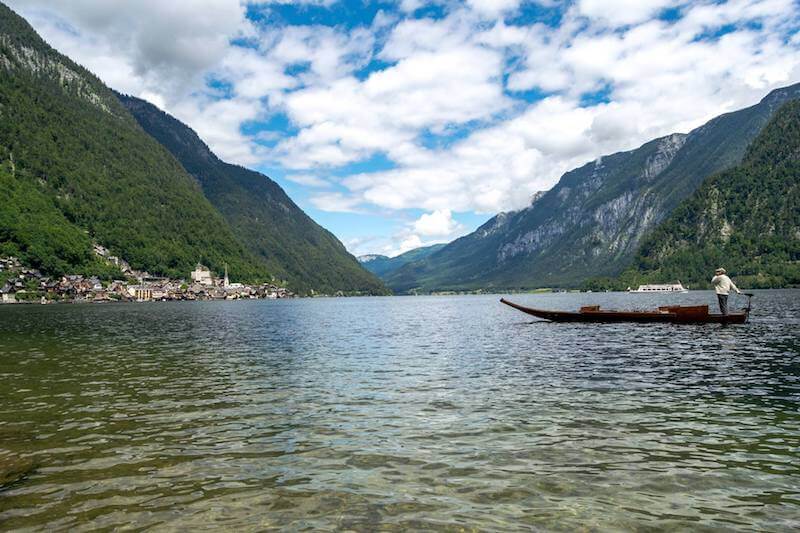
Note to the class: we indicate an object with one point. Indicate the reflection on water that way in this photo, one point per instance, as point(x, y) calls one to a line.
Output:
point(398, 413)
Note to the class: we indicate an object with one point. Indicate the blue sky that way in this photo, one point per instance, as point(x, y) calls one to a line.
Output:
point(400, 124)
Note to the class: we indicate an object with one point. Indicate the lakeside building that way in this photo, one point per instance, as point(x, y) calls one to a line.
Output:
point(26, 285)
point(141, 293)
point(202, 275)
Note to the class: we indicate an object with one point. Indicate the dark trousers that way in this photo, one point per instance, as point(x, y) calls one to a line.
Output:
point(723, 303)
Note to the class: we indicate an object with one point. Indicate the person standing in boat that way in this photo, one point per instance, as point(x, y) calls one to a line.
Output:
point(722, 286)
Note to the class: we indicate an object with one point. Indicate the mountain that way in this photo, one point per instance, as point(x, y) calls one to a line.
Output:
point(261, 215)
point(593, 221)
point(746, 219)
point(382, 266)
point(76, 168)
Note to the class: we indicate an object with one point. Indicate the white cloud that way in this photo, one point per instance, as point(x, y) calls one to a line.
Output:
point(309, 180)
point(218, 122)
point(309, 2)
point(364, 245)
point(440, 223)
point(493, 8)
point(622, 12)
point(157, 42)
point(408, 243)
point(328, 54)
point(337, 203)
point(387, 111)
point(253, 75)
point(430, 228)
point(658, 76)
point(409, 6)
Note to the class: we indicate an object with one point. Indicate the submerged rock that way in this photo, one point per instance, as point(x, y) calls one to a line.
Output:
point(13, 468)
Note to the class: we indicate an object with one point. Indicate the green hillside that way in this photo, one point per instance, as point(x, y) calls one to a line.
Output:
point(262, 216)
point(746, 219)
point(383, 266)
point(35, 230)
point(70, 149)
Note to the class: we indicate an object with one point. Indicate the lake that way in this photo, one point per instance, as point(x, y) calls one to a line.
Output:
point(397, 413)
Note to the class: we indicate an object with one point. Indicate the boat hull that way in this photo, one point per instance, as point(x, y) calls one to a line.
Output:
point(674, 315)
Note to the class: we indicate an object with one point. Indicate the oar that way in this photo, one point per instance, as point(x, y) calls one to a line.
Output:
point(749, 300)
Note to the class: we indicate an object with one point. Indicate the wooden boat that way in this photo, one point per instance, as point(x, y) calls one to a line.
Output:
point(696, 314)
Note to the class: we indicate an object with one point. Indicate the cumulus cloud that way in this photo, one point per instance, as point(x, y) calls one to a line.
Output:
point(308, 180)
point(493, 8)
point(337, 203)
point(309, 2)
point(158, 42)
point(430, 228)
point(623, 12)
point(613, 91)
point(407, 243)
point(440, 223)
point(387, 111)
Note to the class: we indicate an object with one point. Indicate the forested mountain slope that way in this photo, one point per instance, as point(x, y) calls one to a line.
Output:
point(746, 219)
point(262, 216)
point(593, 221)
point(77, 168)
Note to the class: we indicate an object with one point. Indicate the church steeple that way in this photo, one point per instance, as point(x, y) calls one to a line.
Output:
point(226, 282)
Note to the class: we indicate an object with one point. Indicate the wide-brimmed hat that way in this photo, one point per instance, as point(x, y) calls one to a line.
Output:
point(720, 271)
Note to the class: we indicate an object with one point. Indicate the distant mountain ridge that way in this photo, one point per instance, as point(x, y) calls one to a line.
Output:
point(593, 220)
point(260, 213)
point(383, 266)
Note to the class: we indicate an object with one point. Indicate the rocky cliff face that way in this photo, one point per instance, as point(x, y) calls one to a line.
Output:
point(613, 226)
point(593, 221)
point(18, 55)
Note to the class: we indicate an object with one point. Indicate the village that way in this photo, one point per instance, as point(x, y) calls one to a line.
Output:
point(28, 285)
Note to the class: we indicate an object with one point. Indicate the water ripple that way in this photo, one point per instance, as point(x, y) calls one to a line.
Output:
point(446, 413)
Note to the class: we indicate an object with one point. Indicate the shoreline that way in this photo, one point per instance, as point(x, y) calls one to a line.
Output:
point(29, 303)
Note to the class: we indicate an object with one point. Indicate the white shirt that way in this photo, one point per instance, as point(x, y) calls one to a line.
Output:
point(723, 284)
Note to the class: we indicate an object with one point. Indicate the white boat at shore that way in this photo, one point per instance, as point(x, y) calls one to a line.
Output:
point(666, 287)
